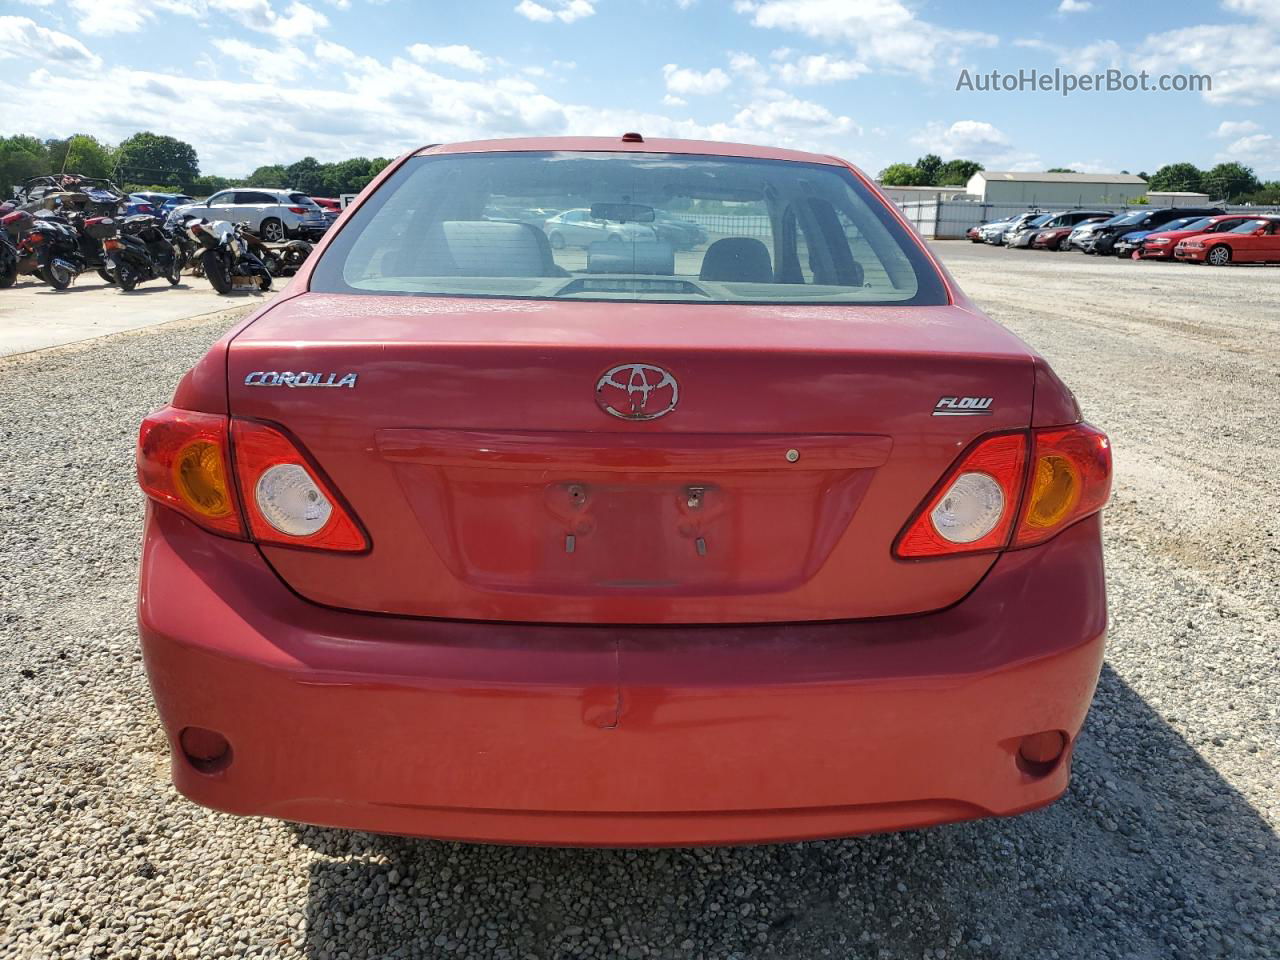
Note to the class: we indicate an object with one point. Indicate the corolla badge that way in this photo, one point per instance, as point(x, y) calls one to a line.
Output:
point(637, 391)
point(275, 378)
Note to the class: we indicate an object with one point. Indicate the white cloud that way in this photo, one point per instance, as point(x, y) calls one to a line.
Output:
point(454, 55)
point(820, 68)
point(566, 11)
point(1236, 128)
point(671, 101)
point(682, 81)
point(1074, 6)
point(1259, 150)
point(266, 65)
point(110, 16)
point(975, 140)
point(789, 114)
point(1241, 61)
point(883, 33)
point(749, 68)
point(25, 40)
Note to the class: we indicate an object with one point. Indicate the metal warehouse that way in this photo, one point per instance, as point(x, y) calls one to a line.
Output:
point(1056, 189)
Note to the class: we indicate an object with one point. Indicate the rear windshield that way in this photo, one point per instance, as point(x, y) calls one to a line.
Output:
point(628, 226)
point(302, 200)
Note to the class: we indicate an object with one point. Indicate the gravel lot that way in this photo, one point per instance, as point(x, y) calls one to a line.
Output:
point(1164, 847)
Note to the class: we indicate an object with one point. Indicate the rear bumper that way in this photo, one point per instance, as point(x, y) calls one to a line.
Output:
point(615, 735)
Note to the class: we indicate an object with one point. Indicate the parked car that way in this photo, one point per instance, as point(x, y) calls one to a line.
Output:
point(1255, 241)
point(331, 207)
point(1104, 238)
point(974, 234)
point(1024, 235)
point(530, 552)
point(680, 233)
point(1056, 237)
point(136, 204)
point(1129, 244)
point(164, 203)
point(578, 228)
point(1160, 244)
point(1082, 235)
point(271, 214)
point(995, 233)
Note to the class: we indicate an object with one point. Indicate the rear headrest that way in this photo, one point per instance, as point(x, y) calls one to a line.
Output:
point(737, 260)
point(626, 256)
point(487, 248)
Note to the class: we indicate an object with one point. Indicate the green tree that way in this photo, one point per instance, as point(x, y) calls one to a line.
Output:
point(348, 176)
point(1176, 177)
point(148, 157)
point(1229, 181)
point(206, 184)
point(271, 175)
point(21, 158)
point(957, 172)
point(929, 165)
point(1059, 170)
point(306, 175)
point(82, 154)
point(902, 175)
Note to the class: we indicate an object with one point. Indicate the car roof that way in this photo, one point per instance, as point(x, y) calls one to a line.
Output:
point(709, 148)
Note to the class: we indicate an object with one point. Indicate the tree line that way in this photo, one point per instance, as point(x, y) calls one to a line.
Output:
point(151, 161)
point(1230, 181)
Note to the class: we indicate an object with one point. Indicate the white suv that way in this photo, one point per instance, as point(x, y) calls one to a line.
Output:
point(271, 214)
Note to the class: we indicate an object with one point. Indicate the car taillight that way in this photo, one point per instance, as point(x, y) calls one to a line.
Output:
point(286, 499)
point(972, 509)
point(1046, 479)
point(111, 244)
point(33, 238)
point(298, 210)
point(182, 463)
point(1069, 478)
point(278, 496)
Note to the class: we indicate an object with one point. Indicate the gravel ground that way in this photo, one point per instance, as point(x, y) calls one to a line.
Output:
point(1165, 846)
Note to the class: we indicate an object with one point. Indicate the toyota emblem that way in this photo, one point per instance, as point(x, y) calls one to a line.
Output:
point(637, 391)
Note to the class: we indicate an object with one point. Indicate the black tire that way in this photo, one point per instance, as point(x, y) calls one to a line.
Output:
point(8, 274)
point(106, 275)
point(271, 230)
point(556, 240)
point(174, 274)
point(264, 282)
point(58, 279)
point(126, 278)
point(1218, 256)
point(216, 269)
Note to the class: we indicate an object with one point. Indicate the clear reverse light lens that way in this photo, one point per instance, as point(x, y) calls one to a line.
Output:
point(291, 502)
point(970, 509)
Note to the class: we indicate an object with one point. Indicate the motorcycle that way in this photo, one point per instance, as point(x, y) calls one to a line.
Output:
point(226, 257)
point(54, 246)
point(281, 259)
point(13, 228)
point(136, 250)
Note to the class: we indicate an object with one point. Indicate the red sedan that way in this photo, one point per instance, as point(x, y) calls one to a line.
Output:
point(1257, 240)
point(774, 538)
point(1052, 239)
point(1161, 244)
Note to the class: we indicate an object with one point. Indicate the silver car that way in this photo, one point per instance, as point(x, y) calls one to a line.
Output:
point(272, 214)
point(577, 228)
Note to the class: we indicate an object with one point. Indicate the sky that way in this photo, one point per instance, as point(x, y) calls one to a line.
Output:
point(251, 82)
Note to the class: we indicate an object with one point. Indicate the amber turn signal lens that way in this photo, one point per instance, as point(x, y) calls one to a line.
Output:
point(200, 479)
point(1055, 490)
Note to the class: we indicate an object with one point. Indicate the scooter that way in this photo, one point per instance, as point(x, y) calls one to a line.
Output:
point(139, 250)
point(55, 246)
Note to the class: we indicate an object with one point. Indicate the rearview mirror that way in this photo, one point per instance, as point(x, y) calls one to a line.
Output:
point(622, 212)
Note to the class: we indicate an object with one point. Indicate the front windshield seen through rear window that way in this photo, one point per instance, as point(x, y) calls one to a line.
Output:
point(628, 226)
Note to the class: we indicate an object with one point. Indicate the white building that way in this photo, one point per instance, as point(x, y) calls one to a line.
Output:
point(1056, 189)
point(1177, 198)
point(908, 194)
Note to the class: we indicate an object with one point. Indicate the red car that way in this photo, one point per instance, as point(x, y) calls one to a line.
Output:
point(1052, 239)
point(1257, 240)
point(1161, 244)
point(775, 538)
